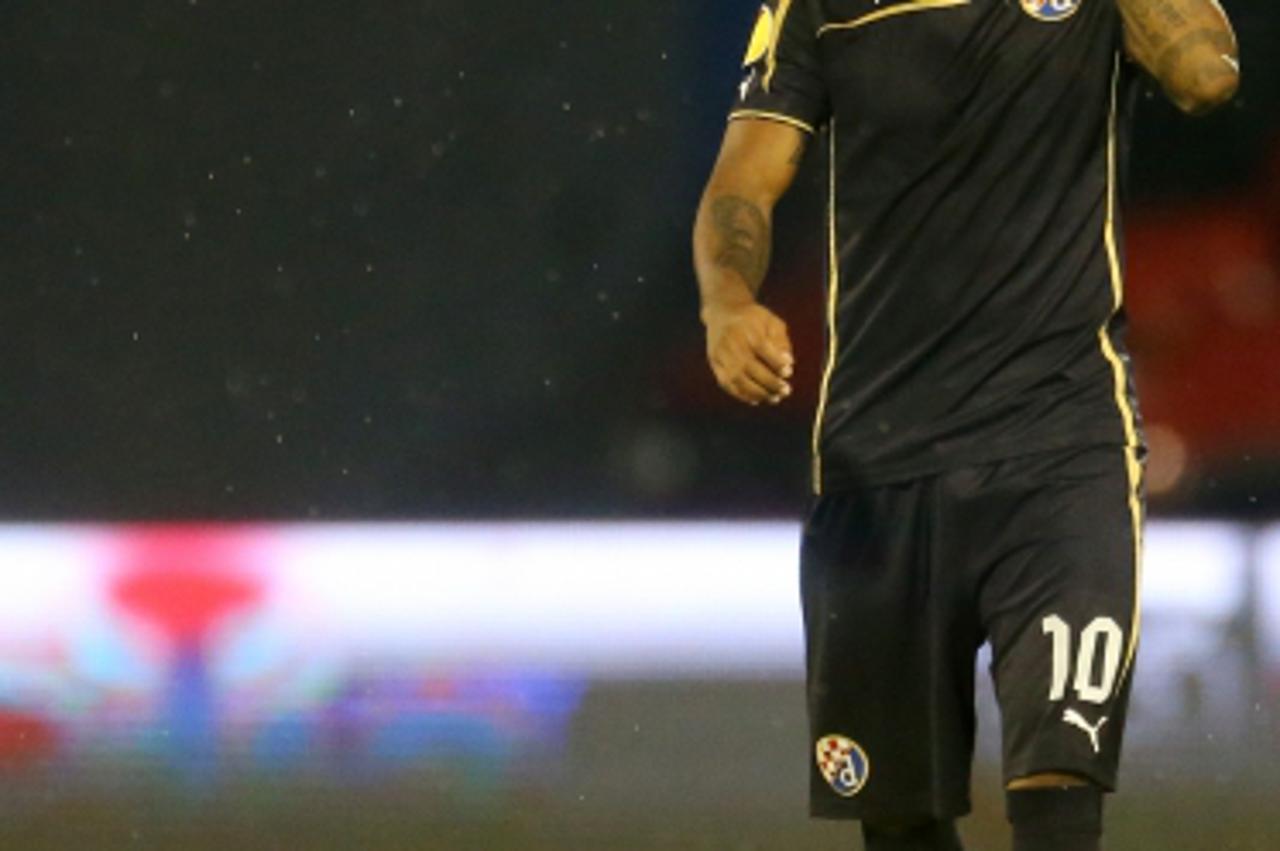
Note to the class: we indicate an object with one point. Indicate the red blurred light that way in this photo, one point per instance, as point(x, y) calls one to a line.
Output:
point(25, 739)
point(184, 580)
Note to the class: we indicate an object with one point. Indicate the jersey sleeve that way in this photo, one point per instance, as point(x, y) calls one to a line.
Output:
point(784, 79)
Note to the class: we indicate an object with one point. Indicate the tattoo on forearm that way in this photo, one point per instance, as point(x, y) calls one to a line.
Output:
point(1170, 14)
point(1186, 44)
point(1149, 20)
point(743, 232)
point(1154, 22)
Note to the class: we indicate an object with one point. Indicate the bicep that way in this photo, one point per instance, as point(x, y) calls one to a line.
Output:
point(758, 159)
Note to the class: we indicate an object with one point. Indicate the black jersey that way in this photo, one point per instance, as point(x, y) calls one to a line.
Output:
point(975, 278)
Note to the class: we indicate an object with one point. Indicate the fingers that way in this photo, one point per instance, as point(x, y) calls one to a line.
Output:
point(775, 348)
point(747, 389)
point(774, 362)
point(751, 380)
point(774, 384)
point(752, 357)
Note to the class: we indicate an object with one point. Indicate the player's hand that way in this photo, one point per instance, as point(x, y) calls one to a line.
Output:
point(750, 353)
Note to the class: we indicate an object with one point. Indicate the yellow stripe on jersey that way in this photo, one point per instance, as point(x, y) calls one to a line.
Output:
point(771, 63)
point(1132, 464)
point(761, 37)
point(833, 293)
point(889, 12)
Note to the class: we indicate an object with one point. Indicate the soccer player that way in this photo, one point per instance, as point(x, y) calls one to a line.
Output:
point(977, 454)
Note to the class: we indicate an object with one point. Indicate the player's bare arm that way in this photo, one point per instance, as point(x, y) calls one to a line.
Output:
point(747, 345)
point(1188, 45)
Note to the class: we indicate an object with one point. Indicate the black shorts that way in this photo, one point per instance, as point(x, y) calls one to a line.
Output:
point(901, 584)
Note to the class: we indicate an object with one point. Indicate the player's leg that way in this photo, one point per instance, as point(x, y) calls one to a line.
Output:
point(1060, 606)
point(1055, 812)
point(921, 835)
point(890, 669)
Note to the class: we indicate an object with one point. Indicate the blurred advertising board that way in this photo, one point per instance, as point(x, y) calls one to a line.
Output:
point(359, 648)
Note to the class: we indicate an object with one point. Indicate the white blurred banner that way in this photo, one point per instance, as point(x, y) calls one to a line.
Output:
point(593, 599)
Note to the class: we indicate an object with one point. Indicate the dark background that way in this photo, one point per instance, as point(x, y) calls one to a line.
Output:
point(283, 260)
point(429, 259)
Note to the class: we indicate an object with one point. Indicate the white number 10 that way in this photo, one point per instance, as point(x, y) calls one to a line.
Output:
point(1112, 637)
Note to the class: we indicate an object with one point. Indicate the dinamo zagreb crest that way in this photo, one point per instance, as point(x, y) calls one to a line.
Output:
point(843, 763)
point(1052, 11)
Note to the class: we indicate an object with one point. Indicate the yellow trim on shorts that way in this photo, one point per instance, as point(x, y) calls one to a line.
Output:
point(891, 11)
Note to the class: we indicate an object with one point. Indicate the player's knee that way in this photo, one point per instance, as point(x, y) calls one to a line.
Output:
point(921, 834)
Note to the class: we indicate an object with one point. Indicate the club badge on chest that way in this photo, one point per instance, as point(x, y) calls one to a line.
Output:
point(1051, 11)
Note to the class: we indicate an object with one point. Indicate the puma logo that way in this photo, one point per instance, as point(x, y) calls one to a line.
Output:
point(1075, 719)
